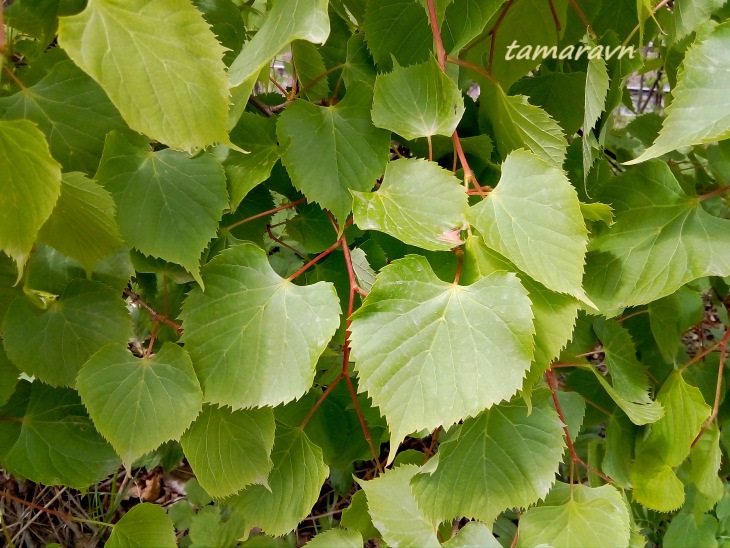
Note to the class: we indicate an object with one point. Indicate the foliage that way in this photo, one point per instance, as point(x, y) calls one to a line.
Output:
point(463, 299)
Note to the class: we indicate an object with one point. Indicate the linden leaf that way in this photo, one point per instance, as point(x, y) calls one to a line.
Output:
point(244, 298)
point(533, 218)
point(48, 438)
point(662, 239)
point(31, 183)
point(53, 344)
point(417, 101)
point(700, 109)
point(294, 484)
point(159, 63)
point(508, 455)
point(168, 204)
point(395, 512)
point(229, 450)
point(423, 348)
point(83, 224)
point(577, 516)
point(418, 202)
point(329, 151)
point(143, 525)
point(139, 403)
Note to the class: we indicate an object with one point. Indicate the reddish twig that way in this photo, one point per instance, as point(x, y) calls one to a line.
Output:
point(433, 19)
point(471, 66)
point(282, 243)
point(156, 316)
point(552, 384)
point(581, 14)
point(718, 389)
point(319, 257)
point(493, 32)
point(460, 256)
point(269, 212)
point(63, 516)
point(716, 192)
point(441, 53)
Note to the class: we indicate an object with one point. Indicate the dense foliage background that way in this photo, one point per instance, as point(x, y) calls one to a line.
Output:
point(355, 271)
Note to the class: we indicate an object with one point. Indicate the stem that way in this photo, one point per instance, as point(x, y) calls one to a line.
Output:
point(56, 513)
point(263, 107)
point(577, 9)
point(269, 212)
point(440, 52)
point(278, 86)
point(471, 66)
point(15, 78)
point(716, 192)
point(659, 6)
point(322, 255)
point(705, 352)
point(283, 243)
point(632, 315)
point(718, 388)
point(493, 32)
point(460, 255)
point(156, 316)
point(556, 19)
point(324, 395)
point(468, 173)
point(553, 383)
point(430, 148)
point(317, 78)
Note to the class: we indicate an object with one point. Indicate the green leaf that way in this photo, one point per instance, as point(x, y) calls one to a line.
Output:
point(557, 93)
point(298, 470)
point(244, 298)
point(662, 239)
point(628, 376)
point(288, 20)
point(229, 450)
point(506, 457)
point(473, 535)
point(555, 314)
point(417, 101)
point(159, 63)
point(48, 438)
point(82, 224)
point(668, 444)
point(690, 15)
point(9, 375)
point(364, 273)
point(385, 20)
point(518, 124)
point(168, 204)
point(531, 25)
point(596, 92)
point(143, 525)
point(209, 528)
point(359, 64)
point(309, 65)
point(226, 22)
point(576, 516)
point(700, 110)
point(534, 201)
point(705, 459)
point(336, 538)
point(329, 151)
point(395, 512)
point(421, 345)
point(418, 202)
point(139, 403)
point(620, 441)
point(256, 135)
point(464, 20)
point(690, 529)
point(71, 110)
point(52, 345)
point(31, 183)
